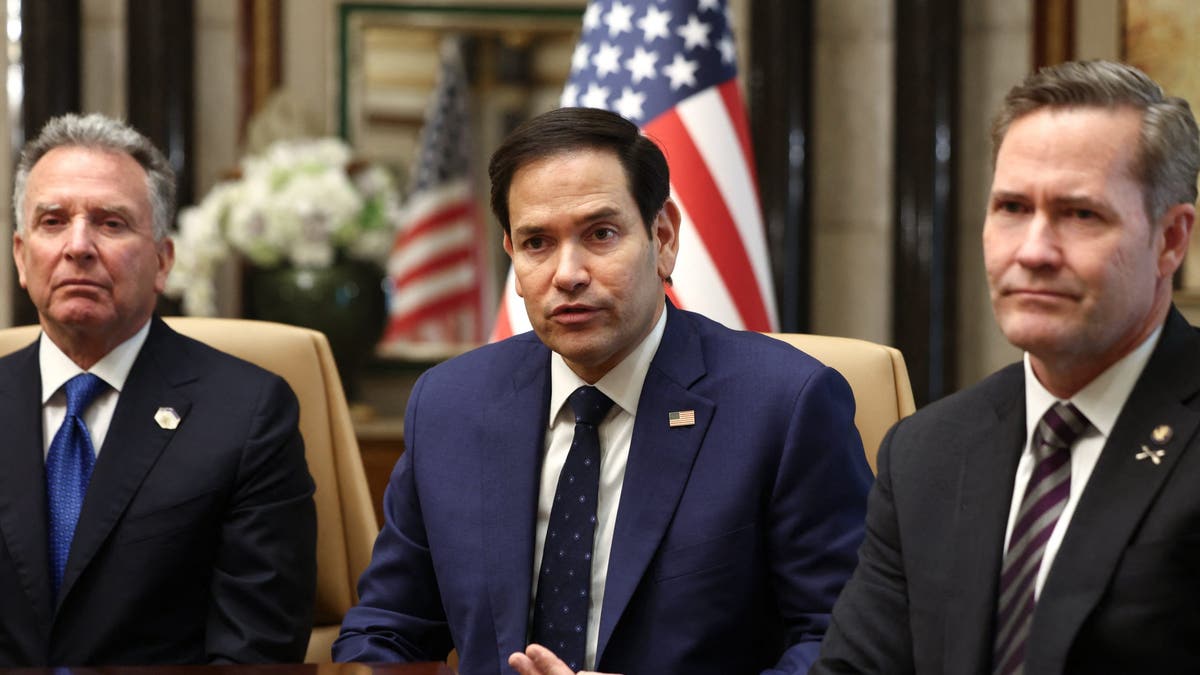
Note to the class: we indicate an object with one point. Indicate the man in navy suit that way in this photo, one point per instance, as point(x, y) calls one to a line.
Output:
point(155, 504)
point(1046, 519)
point(731, 483)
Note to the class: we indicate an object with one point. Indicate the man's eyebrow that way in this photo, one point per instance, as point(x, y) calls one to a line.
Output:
point(115, 210)
point(590, 216)
point(1090, 203)
point(42, 207)
point(527, 230)
point(599, 214)
point(1005, 195)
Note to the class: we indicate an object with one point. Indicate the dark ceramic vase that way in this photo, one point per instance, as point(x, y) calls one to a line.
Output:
point(344, 301)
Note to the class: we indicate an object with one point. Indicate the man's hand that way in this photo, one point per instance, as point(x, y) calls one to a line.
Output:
point(537, 660)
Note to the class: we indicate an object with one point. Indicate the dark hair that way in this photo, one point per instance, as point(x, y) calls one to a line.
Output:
point(101, 133)
point(567, 129)
point(1168, 154)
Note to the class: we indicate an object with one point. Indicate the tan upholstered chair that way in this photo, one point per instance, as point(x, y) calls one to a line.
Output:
point(876, 373)
point(346, 525)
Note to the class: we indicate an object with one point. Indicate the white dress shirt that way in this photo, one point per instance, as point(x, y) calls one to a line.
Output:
point(56, 368)
point(1100, 402)
point(622, 384)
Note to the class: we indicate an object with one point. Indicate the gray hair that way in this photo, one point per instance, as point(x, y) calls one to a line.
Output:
point(103, 133)
point(1168, 153)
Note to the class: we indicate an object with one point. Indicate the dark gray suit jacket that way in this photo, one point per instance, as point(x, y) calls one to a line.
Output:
point(195, 544)
point(1123, 594)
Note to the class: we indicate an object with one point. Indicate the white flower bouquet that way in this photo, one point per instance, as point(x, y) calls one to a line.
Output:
point(301, 203)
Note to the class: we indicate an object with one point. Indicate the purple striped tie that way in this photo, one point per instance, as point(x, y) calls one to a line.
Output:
point(1045, 498)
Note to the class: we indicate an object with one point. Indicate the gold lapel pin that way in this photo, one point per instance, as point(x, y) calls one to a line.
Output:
point(681, 418)
point(167, 418)
point(1162, 433)
point(1152, 455)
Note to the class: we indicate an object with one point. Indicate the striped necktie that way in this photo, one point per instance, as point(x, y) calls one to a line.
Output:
point(1045, 498)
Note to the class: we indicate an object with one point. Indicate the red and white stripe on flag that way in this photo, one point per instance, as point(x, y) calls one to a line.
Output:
point(669, 66)
point(436, 269)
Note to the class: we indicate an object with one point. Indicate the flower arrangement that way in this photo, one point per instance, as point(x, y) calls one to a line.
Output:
point(302, 203)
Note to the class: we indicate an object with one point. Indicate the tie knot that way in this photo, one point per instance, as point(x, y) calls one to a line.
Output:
point(590, 405)
point(1062, 425)
point(81, 391)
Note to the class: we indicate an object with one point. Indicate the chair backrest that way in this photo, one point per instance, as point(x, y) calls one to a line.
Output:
point(346, 525)
point(877, 375)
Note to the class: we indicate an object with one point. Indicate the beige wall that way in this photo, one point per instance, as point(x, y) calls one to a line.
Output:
point(852, 168)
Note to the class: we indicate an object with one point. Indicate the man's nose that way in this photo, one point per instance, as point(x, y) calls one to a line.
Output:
point(80, 242)
point(570, 270)
point(1039, 246)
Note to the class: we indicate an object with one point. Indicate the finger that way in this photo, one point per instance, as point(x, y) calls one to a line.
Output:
point(522, 664)
point(545, 660)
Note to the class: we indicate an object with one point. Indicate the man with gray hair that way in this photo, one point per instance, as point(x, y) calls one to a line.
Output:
point(1045, 519)
point(155, 504)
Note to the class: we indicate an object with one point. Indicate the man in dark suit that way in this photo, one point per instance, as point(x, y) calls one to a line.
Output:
point(731, 481)
point(155, 505)
point(1045, 520)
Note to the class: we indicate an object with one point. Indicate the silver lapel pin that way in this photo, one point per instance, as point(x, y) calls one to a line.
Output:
point(1152, 455)
point(167, 418)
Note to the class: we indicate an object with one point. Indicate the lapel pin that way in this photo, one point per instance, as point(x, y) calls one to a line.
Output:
point(681, 418)
point(1152, 455)
point(167, 418)
point(1162, 433)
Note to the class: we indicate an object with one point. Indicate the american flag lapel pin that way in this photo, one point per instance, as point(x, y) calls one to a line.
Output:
point(681, 418)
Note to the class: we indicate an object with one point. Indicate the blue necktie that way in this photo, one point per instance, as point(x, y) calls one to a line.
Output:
point(560, 611)
point(68, 469)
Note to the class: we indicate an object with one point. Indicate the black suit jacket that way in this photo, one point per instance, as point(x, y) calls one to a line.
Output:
point(195, 544)
point(1123, 595)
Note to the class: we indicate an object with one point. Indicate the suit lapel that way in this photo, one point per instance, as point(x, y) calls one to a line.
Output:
point(1119, 492)
point(133, 443)
point(22, 480)
point(660, 460)
point(510, 477)
point(991, 450)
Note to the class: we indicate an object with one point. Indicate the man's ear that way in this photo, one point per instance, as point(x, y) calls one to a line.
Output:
point(166, 260)
point(18, 247)
point(1174, 233)
point(665, 237)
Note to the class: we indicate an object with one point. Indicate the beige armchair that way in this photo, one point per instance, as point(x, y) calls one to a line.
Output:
point(876, 373)
point(346, 525)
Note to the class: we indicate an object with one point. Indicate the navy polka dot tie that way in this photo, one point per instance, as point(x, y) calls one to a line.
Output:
point(560, 611)
point(68, 469)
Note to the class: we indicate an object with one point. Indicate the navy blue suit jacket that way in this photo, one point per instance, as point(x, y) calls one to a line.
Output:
point(194, 545)
point(733, 536)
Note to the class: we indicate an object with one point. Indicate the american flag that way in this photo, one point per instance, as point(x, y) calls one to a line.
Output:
point(681, 418)
point(670, 66)
point(436, 269)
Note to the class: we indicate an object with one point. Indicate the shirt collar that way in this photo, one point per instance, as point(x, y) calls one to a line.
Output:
point(622, 384)
point(56, 367)
point(1100, 400)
